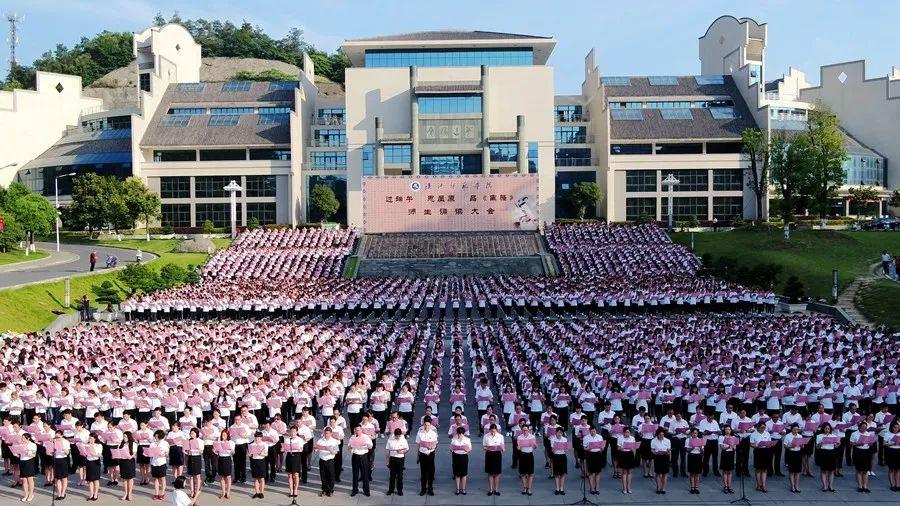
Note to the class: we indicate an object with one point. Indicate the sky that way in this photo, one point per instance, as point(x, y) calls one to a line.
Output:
point(642, 37)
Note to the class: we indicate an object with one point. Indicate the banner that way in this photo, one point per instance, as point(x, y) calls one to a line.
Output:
point(457, 203)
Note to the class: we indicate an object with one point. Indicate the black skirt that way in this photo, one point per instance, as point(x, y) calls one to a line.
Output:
point(892, 458)
point(158, 471)
point(826, 459)
point(141, 458)
point(127, 469)
point(596, 461)
point(60, 467)
point(862, 460)
point(695, 463)
point(460, 465)
point(493, 462)
point(225, 466)
point(176, 456)
point(560, 464)
point(194, 464)
point(28, 468)
point(661, 464)
point(726, 460)
point(793, 459)
point(258, 468)
point(77, 459)
point(293, 462)
point(762, 459)
point(526, 463)
point(92, 470)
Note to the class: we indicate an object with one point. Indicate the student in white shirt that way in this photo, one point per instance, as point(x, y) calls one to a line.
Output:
point(526, 442)
point(793, 457)
point(93, 454)
point(494, 446)
point(360, 446)
point(225, 463)
point(460, 447)
point(396, 449)
point(158, 465)
point(661, 449)
point(179, 497)
point(28, 467)
point(892, 454)
point(709, 430)
point(328, 448)
point(426, 440)
point(862, 456)
point(826, 457)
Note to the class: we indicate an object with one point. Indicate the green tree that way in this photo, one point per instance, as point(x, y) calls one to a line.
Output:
point(172, 275)
point(13, 232)
point(584, 196)
point(139, 278)
point(33, 212)
point(253, 223)
point(107, 293)
point(861, 196)
point(788, 172)
point(324, 202)
point(97, 201)
point(824, 158)
point(141, 203)
point(756, 151)
point(209, 227)
point(191, 276)
point(265, 75)
point(794, 289)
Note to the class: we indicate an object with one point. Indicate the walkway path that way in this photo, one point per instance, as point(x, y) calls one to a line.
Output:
point(846, 301)
point(72, 260)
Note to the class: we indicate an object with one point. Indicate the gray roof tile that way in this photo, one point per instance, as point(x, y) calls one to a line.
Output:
point(448, 35)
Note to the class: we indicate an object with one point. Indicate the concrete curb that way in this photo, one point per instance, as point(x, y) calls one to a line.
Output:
point(53, 258)
point(78, 275)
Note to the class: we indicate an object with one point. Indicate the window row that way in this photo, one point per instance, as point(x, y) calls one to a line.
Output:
point(684, 208)
point(671, 104)
point(688, 180)
point(179, 187)
point(570, 135)
point(200, 111)
point(450, 104)
point(449, 57)
point(216, 155)
point(676, 148)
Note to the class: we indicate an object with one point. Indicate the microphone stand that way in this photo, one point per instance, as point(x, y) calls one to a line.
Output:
point(743, 498)
point(584, 501)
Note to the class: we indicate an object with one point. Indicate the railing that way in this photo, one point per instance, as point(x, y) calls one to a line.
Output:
point(573, 162)
point(571, 118)
point(330, 120)
point(145, 66)
point(576, 139)
point(323, 143)
point(772, 95)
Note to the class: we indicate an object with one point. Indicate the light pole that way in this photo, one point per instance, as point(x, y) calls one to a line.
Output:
point(232, 190)
point(670, 181)
point(13, 164)
point(56, 190)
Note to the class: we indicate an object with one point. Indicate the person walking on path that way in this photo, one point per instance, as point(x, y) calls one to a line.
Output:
point(93, 260)
point(886, 263)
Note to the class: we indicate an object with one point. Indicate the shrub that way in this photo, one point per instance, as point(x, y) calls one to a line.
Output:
point(171, 275)
point(191, 276)
point(253, 223)
point(107, 293)
point(209, 227)
point(140, 278)
point(794, 289)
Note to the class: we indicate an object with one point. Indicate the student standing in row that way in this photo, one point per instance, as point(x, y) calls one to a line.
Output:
point(396, 449)
point(460, 447)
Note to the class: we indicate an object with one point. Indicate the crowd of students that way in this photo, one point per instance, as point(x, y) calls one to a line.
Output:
point(669, 395)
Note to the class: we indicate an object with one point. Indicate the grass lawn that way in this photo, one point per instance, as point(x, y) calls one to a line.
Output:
point(13, 256)
point(29, 308)
point(809, 254)
point(879, 301)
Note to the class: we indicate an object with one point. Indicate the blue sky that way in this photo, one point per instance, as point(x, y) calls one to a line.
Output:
point(638, 37)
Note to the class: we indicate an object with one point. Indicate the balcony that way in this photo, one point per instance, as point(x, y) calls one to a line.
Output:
point(327, 143)
point(145, 66)
point(772, 95)
point(329, 121)
point(572, 118)
point(576, 139)
point(439, 87)
point(573, 162)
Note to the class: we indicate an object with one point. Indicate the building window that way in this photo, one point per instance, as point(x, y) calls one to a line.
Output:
point(176, 215)
point(755, 74)
point(260, 186)
point(331, 138)
point(224, 119)
point(328, 160)
point(282, 85)
point(262, 211)
point(217, 155)
point(690, 180)
point(332, 116)
point(724, 112)
point(236, 86)
point(626, 105)
point(728, 208)
point(368, 155)
point(640, 181)
point(532, 157)
point(504, 151)
point(208, 187)
point(728, 180)
point(449, 57)
point(192, 87)
point(690, 148)
point(171, 120)
point(175, 155)
point(178, 187)
point(570, 135)
point(398, 153)
point(637, 208)
point(450, 104)
point(567, 112)
point(572, 157)
point(270, 154)
point(450, 164)
point(865, 170)
point(273, 119)
point(188, 111)
point(219, 214)
point(684, 208)
point(630, 149)
point(716, 148)
point(145, 82)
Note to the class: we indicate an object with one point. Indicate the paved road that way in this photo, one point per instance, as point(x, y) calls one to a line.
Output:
point(71, 261)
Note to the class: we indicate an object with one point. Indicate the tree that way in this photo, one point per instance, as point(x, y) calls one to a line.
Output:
point(756, 151)
point(33, 212)
point(324, 202)
point(584, 196)
point(141, 202)
point(253, 223)
point(171, 275)
point(793, 289)
point(265, 75)
point(824, 158)
point(209, 227)
point(788, 172)
point(139, 278)
point(860, 198)
point(12, 234)
point(96, 202)
point(895, 199)
point(107, 293)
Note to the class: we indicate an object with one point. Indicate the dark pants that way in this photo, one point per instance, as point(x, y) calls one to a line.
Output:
point(679, 457)
point(711, 453)
point(240, 463)
point(304, 465)
point(326, 471)
point(271, 464)
point(339, 463)
point(743, 457)
point(426, 465)
point(360, 466)
point(775, 467)
point(354, 418)
point(93, 264)
point(210, 461)
point(395, 482)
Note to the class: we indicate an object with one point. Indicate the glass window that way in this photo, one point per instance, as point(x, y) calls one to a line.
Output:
point(450, 164)
point(755, 74)
point(724, 147)
point(260, 186)
point(145, 82)
point(640, 181)
point(219, 214)
point(572, 157)
point(449, 57)
point(683, 208)
point(178, 187)
point(274, 110)
point(626, 105)
point(175, 155)
point(270, 154)
point(188, 110)
point(217, 155)
point(532, 157)
point(570, 135)
point(728, 180)
point(615, 81)
point(273, 119)
point(328, 160)
point(681, 114)
point(282, 85)
point(690, 180)
point(568, 113)
point(368, 153)
point(171, 120)
point(450, 104)
point(262, 211)
point(705, 80)
point(176, 215)
point(331, 138)
point(640, 207)
point(190, 86)
point(630, 149)
point(207, 187)
point(865, 170)
point(232, 110)
point(626, 114)
point(504, 151)
point(689, 148)
point(236, 86)
point(728, 208)
point(332, 116)
point(662, 80)
point(668, 104)
point(398, 153)
point(724, 112)
point(224, 120)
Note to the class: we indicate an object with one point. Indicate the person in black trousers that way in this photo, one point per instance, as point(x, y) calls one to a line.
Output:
point(360, 445)
point(396, 449)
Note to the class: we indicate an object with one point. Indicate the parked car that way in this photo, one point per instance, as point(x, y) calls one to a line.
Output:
point(882, 224)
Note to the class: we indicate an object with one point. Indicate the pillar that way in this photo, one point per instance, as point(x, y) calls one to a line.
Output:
point(485, 122)
point(414, 131)
point(379, 147)
point(522, 158)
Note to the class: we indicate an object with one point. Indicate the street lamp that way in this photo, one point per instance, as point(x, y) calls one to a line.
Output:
point(56, 190)
point(9, 165)
point(670, 181)
point(232, 190)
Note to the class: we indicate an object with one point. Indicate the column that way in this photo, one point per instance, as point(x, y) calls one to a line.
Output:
point(414, 124)
point(485, 122)
point(379, 147)
point(522, 158)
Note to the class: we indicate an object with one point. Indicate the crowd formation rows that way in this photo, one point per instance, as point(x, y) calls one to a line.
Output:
point(450, 245)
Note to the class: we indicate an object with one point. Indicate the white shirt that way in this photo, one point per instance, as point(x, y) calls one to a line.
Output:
point(705, 426)
point(493, 440)
point(332, 446)
point(179, 498)
point(660, 445)
point(424, 436)
point(395, 444)
point(758, 436)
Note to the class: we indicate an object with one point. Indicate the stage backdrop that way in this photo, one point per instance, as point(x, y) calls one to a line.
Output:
point(458, 203)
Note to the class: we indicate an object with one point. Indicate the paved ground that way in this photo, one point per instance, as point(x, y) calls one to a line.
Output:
point(425, 267)
point(71, 261)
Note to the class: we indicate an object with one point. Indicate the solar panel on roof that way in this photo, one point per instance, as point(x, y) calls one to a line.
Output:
point(627, 114)
point(282, 85)
point(236, 86)
point(702, 80)
point(190, 86)
point(173, 120)
point(616, 81)
point(724, 112)
point(224, 120)
point(676, 113)
point(663, 80)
